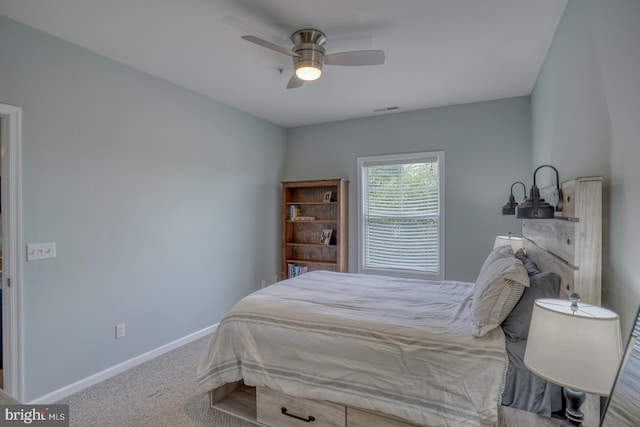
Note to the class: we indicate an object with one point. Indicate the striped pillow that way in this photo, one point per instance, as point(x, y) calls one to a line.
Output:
point(498, 288)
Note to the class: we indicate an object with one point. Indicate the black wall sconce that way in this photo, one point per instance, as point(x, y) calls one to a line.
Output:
point(510, 207)
point(536, 207)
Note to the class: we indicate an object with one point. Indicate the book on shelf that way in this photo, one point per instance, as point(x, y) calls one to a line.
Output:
point(294, 212)
point(304, 218)
point(296, 270)
point(326, 236)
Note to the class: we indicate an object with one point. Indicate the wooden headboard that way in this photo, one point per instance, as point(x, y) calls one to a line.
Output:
point(571, 246)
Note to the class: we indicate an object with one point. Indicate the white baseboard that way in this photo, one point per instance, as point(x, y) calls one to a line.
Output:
point(121, 367)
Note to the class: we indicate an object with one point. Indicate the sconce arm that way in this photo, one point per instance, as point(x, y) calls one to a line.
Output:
point(524, 187)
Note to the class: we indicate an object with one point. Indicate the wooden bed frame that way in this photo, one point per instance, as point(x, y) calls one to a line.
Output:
point(569, 245)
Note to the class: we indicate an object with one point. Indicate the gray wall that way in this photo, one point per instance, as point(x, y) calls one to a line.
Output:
point(487, 147)
point(162, 204)
point(586, 121)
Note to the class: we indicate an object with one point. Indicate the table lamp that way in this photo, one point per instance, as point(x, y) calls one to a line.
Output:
point(576, 346)
point(515, 242)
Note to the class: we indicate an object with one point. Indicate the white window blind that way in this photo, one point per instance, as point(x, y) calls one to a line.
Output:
point(400, 214)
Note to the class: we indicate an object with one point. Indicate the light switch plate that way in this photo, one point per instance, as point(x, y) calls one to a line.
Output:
point(37, 251)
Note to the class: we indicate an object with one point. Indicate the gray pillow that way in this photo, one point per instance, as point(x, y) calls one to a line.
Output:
point(528, 263)
point(541, 285)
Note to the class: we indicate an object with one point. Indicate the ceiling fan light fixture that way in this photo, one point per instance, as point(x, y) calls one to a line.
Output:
point(308, 73)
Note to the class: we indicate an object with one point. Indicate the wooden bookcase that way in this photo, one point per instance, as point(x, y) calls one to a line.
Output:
point(301, 237)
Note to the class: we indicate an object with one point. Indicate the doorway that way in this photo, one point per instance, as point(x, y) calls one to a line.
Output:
point(11, 219)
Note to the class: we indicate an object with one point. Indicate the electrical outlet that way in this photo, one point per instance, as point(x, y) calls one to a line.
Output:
point(120, 330)
point(263, 284)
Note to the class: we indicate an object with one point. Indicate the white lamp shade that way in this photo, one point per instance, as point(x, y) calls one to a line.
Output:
point(580, 350)
point(515, 242)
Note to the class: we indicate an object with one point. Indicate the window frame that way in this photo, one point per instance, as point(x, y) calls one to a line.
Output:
point(366, 161)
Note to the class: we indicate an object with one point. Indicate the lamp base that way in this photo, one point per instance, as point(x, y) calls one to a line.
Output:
point(574, 414)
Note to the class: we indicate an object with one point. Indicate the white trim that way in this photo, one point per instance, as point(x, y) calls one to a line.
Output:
point(363, 162)
point(121, 367)
point(11, 149)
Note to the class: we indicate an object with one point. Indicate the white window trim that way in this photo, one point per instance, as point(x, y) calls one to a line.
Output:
point(406, 157)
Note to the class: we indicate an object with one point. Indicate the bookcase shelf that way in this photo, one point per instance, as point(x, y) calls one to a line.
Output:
point(313, 220)
point(313, 244)
point(324, 263)
point(319, 205)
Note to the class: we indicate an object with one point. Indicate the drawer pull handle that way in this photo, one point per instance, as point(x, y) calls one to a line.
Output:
point(306, 420)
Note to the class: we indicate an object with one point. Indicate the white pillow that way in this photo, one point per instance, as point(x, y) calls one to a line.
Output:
point(505, 251)
point(498, 288)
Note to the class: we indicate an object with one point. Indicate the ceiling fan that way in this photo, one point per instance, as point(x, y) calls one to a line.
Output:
point(309, 55)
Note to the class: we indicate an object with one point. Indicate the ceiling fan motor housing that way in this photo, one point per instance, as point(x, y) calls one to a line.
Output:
point(309, 45)
point(309, 36)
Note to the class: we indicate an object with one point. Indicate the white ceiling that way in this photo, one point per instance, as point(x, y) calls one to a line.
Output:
point(438, 52)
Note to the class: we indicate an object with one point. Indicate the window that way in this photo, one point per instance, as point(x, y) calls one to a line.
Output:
point(401, 215)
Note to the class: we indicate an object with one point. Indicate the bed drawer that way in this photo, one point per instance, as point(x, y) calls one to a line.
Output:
point(278, 410)
point(360, 418)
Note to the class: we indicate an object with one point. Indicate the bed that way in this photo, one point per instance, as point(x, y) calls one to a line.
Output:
point(374, 350)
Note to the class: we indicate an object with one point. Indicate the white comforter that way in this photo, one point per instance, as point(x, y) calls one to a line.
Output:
point(398, 346)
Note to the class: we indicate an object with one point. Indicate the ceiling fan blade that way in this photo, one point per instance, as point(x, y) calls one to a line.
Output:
point(244, 26)
point(355, 58)
point(294, 82)
point(269, 45)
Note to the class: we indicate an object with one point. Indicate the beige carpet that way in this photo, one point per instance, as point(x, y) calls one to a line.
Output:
point(160, 392)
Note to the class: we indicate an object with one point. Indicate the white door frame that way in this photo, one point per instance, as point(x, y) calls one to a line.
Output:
point(11, 158)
